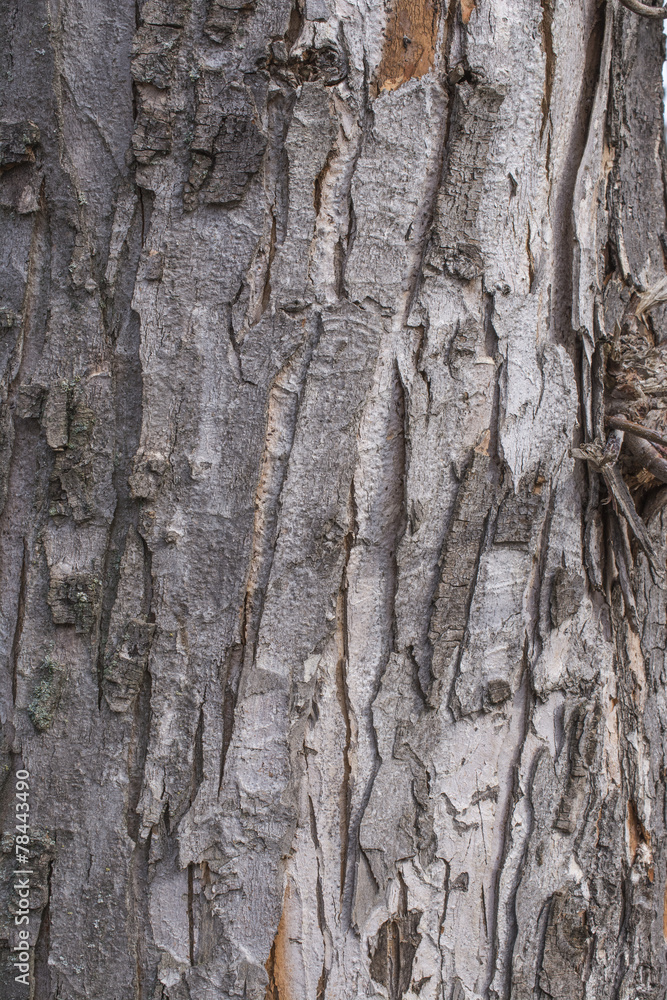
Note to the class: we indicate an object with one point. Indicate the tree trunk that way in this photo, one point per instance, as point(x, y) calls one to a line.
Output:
point(332, 623)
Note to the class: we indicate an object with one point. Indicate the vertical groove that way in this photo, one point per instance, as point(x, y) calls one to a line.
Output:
point(546, 27)
point(191, 919)
point(139, 920)
point(283, 406)
point(345, 707)
point(563, 213)
point(20, 616)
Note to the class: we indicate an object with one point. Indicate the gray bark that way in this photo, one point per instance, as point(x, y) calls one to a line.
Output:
point(332, 623)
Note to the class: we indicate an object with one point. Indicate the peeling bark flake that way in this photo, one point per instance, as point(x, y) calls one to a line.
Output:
point(277, 963)
point(410, 40)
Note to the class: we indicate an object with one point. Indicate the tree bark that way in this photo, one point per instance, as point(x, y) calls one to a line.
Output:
point(336, 673)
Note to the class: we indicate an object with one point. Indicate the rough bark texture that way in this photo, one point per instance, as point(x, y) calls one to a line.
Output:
point(336, 673)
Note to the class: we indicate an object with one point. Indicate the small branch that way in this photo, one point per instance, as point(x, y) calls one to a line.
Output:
point(624, 503)
point(656, 294)
point(612, 448)
point(603, 460)
point(649, 457)
point(654, 504)
point(643, 9)
point(621, 424)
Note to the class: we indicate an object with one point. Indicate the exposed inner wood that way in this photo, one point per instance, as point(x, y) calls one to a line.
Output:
point(409, 42)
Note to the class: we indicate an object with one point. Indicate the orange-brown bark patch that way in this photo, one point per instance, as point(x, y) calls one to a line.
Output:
point(409, 44)
point(635, 659)
point(483, 445)
point(277, 962)
point(467, 7)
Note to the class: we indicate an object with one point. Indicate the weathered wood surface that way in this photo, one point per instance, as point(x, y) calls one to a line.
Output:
point(335, 674)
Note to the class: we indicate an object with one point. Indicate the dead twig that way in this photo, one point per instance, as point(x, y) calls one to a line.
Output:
point(648, 456)
point(621, 424)
point(602, 457)
point(625, 505)
point(657, 294)
point(643, 9)
point(654, 504)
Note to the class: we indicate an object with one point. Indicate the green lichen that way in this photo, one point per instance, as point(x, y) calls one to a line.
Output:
point(46, 696)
